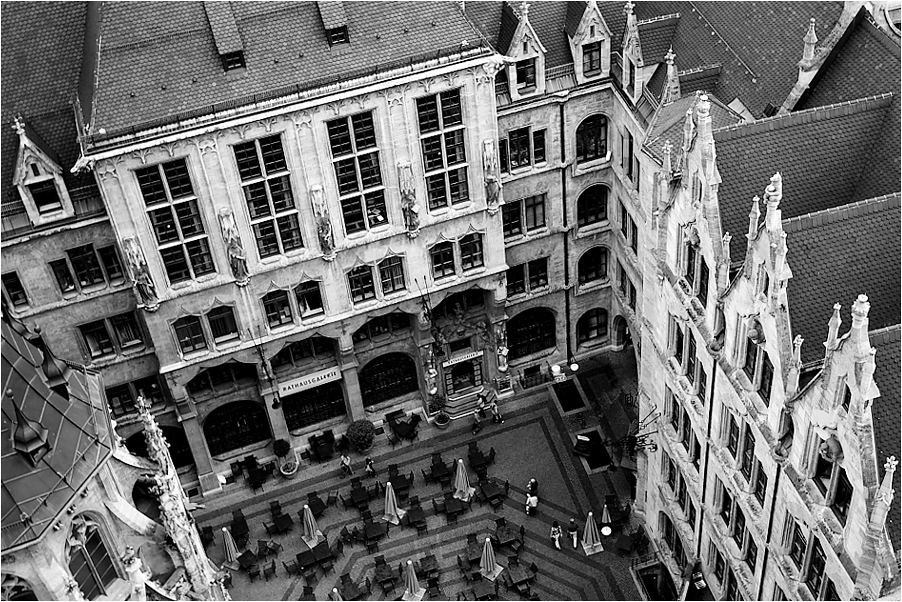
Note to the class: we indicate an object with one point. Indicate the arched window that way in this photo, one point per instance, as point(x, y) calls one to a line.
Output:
point(298, 353)
point(89, 561)
point(592, 206)
point(592, 325)
point(223, 378)
point(592, 139)
point(310, 406)
point(593, 265)
point(530, 332)
point(235, 425)
point(386, 377)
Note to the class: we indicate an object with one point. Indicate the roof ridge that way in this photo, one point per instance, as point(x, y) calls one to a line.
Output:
point(699, 69)
point(887, 334)
point(725, 43)
point(834, 214)
point(840, 109)
point(882, 36)
point(658, 18)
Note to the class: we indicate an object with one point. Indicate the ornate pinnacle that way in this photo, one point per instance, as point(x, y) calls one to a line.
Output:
point(891, 462)
point(524, 10)
point(670, 56)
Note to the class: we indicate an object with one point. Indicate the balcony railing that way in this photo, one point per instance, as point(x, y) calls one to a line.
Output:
point(15, 220)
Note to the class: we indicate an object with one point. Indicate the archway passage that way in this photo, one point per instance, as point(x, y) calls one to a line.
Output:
point(530, 332)
point(386, 377)
point(621, 332)
point(179, 448)
point(236, 425)
point(306, 408)
point(145, 501)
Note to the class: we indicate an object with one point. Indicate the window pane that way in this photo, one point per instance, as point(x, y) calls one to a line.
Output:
point(151, 184)
point(177, 177)
point(369, 170)
point(435, 188)
point(267, 242)
point(201, 260)
point(127, 332)
point(110, 258)
point(277, 307)
point(361, 282)
point(471, 251)
point(120, 400)
point(280, 191)
point(163, 224)
point(538, 146)
point(510, 216)
point(189, 218)
point(454, 147)
point(346, 174)
point(538, 273)
point(364, 132)
point(391, 272)
point(519, 147)
point(97, 339)
point(427, 112)
point(63, 275)
point(45, 196)
point(190, 334)
point(222, 323)
point(503, 155)
point(534, 208)
point(451, 114)
point(290, 232)
point(85, 264)
point(339, 137)
point(15, 292)
point(309, 298)
point(257, 203)
point(432, 153)
point(442, 260)
point(246, 158)
point(174, 261)
point(375, 208)
point(516, 281)
point(352, 212)
point(273, 156)
point(457, 181)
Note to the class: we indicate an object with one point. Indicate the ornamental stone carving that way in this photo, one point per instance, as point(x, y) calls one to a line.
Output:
point(409, 199)
point(143, 283)
point(492, 179)
point(234, 248)
point(323, 224)
point(501, 349)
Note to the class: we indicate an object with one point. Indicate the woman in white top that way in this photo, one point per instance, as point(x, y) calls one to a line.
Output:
point(556, 534)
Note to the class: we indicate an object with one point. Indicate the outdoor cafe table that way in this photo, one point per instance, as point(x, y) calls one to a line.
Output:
point(477, 459)
point(400, 483)
point(439, 471)
point(349, 590)
point(322, 552)
point(306, 559)
point(283, 523)
point(507, 534)
point(416, 515)
point(483, 589)
point(239, 528)
point(359, 496)
point(474, 551)
point(453, 506)
point(403, 428)
point(373, 530)
point(317, 506)
point(246, 559)
point(490, 490)
point(385, 574)
point(256, 476)
point(517, 574)
point(429, 565)
point(322, 448)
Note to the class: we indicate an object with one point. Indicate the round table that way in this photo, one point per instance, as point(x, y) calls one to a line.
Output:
point(606, 531)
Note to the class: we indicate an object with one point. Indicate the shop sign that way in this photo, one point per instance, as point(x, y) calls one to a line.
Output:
point(309, 381)
point(462, 358)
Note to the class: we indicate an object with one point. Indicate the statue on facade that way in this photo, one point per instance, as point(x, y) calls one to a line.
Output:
point(136, 576)
point(237, 256)
point(323, 224)
point(491, 174)
point(409, 199)
point(831, 450)
point(147, 291)
point(501, 346)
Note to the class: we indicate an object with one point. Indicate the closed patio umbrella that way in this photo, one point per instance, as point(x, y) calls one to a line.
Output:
point(393, 514)
point(312, 534)
point(230, 548)
point(412, 589)
point(462, 489)
point(335, 594)
point(591, 537)
point(487, 565)
point(605, 515)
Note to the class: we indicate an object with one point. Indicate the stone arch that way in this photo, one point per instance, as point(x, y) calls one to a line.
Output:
point(530, 332)
point(388, 376)
point(17, 588)
point(592, 138)
point(592, 265)
point(592, 205)
point(235, 425)
point(179, 448)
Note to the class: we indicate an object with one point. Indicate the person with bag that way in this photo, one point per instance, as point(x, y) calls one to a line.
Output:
point(496, 414)
point(573, 532)
point(556, 534)
point(480, 405)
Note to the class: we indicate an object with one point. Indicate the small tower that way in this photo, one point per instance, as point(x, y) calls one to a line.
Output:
point(672, 85)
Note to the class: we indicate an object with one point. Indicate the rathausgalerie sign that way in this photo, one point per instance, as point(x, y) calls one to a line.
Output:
point(309, 381)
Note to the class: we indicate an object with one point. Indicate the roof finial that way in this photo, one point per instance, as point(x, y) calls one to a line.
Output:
point(810, 40)
point(672, 85)
point(524, 10)
point(19, 125)
point(670, 56)
point(833, 327)
point(754, 215)
point(628, 7)
point(30, 438)
point(773, 194)
point(668, 148)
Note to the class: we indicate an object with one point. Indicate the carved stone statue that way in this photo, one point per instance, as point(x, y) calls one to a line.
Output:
point(136, 576)
point(501, 346)
point(323, 224)
point(831, 450)
point(409, 199)
point(237, 256)
point(137, 265)
point(492, 179)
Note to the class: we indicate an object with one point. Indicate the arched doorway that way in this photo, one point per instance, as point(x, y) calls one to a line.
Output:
point(236, 425)
point(179, 448)
point(622, 336)
point(310, 406)
point(386, 377)
point(530, 332)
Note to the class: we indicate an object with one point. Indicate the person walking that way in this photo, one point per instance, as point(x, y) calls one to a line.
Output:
point(345, 464)
point(481, 404)
point(477, 423)
point(532, 487)
point(556, 534)
point(573, 532)
point(532, 502)
point(369, 468)
point(496, 413)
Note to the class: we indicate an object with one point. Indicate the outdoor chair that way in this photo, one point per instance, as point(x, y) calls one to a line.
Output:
point(346, 502)
point(445, 479)
point(392, 438)
point(308, 591)
point(333, 497)
point(451, 519)
point(327, 566)
point(356, 534)
point(422, 528)
point(310, 577)
point(269, 468)
point(237, 515)
point(426, 476)
point(513, 560)
point(339, 549)
point(464, 569)
point(380, 559)
point(533, 571)
point(275, 507)
point(472, 538)
point(237, 470)
point(274, 547)
point(262, 548)
point(480, 497)
point(516, 546)
point(372, 546)
point(269, 571)
point(253, 571)
point(439, 506)
point(496, 503)
point(291, 567)
point(345, 535)
point(373, 491)
point(387, 588)
point(206, 535)
point(367, 586)
point(270, 528)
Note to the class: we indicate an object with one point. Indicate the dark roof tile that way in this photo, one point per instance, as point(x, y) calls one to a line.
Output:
point(885, 414)
point(656, 37)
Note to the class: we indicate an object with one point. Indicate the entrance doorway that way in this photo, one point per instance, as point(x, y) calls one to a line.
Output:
point(386, 377)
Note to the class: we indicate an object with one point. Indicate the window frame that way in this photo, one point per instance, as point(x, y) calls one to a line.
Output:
point(596, 137)
point(269, 300)
point(357, 281)
point(531, 283)
point(584, 212)
point(231, 336)
point(595, 260)
point(9, 279)
point(321, 309)
point(394, 265)
point(111, 332)
point(472, 252)
point(529, 69)
point(441, 133)
point(591, 53)
point(440, 271)
point(600, 328)
point(535, 151)
point(187, 324)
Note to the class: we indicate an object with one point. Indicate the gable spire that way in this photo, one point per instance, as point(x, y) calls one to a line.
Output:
point(672, 85)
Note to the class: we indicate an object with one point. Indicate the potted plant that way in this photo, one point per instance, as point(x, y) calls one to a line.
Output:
point(282, 449)
point(440, 419)
point(361, 434)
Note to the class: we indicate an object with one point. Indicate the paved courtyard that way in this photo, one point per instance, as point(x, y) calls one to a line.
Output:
point(534, 442)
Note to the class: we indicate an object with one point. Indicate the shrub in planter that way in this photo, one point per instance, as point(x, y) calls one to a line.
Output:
point(281, 448)
point(361, 434)
point(436, 403)
point(442, 420)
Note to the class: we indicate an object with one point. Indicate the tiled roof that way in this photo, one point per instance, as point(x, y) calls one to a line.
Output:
point(655, 83)
point(225, 30)
point(836, 255)
point(667, 123)
point(575, 12)
point(159, 58)
point(332, 13)
point(41, 45)
point(820, 152)
point(509, 23)
point(866, 64)
point(656, 36)
point(885, 413)
point(700, 79)
point(79, 436)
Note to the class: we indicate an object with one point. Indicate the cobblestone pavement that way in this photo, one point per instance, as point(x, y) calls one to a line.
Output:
point(534, 442)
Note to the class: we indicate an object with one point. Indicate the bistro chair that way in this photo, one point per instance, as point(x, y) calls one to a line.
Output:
point(291, 567)
point(253, 571)
point(269, 571)
point(333, 497)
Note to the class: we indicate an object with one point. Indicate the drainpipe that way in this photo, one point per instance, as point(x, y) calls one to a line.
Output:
point(566, 232)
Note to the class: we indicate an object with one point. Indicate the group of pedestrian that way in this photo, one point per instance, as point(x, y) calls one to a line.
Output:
point(572, 533)
point(344, 464)
point(482, 405)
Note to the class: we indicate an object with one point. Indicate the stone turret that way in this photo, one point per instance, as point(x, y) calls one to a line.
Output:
point(773, 194)
point(672, 85)
point(866, 587)
point(810, 41)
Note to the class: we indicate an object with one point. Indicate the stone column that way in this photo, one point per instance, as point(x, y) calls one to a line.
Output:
point(498, 319)
point(348, 363)
point(187, 416)
point(276, 416)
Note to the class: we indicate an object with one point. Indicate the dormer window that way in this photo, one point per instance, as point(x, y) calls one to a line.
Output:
point(338, 35)
point(592, 57)
point(45, 196)
point(233, 60)
point(526, 74)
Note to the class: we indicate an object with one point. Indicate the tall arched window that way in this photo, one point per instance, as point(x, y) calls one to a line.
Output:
point(530, 332)
point(592, 325)
point(592, 139)
point(89, 561)
point(386, 377)
point(235, 425)
point(592, 206)
point(593, 265)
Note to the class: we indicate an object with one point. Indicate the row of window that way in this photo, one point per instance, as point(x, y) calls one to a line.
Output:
point(685, 350)
point(112, 336)
point(629, 229)
point(680, 489)
point(525, 69)
point(740, 442)
point(627, 288)
point(810, 560)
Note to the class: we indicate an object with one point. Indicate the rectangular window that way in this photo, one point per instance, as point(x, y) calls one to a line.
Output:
point(751, 554)
point(120, 400)
point(701, 382)
point(360, 279)
point(519, 148)
point(526, 74)
point(726, 505)
point(538, 146)
point(233, 60)
point(751, 359)
point(767, 378)
point(748, 453)
point(512, 219)
point(471, 251)
point(63, 275)
point(442, 260)
point(702, 287)
point(391, 272)
point(355, 159)
point(309, 298)
point(516, 279)
point(97, 339)
point(190, 334)
point(691, 357)
point(174, 215)
point(128, 333)
point(679, 343)
point(338, 35)
point(277, 308)
point(719, 564)
point(222, 324)
point(85, 265)
point(816, 568)
point(732, 434)
point(797, 544)
point(503, 155)
point(592, 58)
point(14, 290)
point(760, 484)
point(45, 196)
point(842, 497)
point(442, 139)
point(534, 210)
point(738, 530)
point(109, 257)
point(538, 273)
